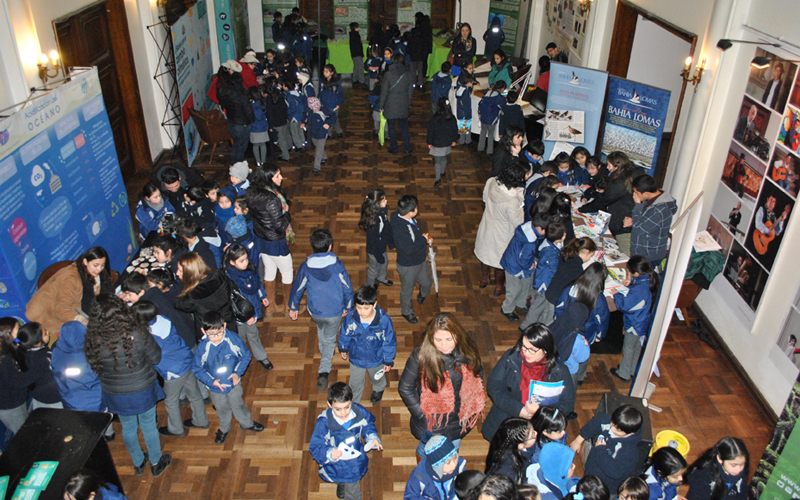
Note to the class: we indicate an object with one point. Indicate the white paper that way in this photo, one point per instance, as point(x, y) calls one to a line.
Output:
point(560, 146)
point(704, 242)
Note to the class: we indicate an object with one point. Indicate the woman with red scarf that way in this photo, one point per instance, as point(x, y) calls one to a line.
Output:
point(442, 383)
point(534, 358)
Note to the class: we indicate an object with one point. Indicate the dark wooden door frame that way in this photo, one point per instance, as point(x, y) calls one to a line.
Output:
point(619, 55)
point(127, 80)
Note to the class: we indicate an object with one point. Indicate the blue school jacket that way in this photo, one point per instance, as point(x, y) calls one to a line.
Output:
point(176, 357)
point(617, 458)
point(212, 362)
point(572, 177)
point(490, 106)
point(463, 101)
point(329, 290)
point(660, 488)
point(329, 433)
point(368, 345)
point(78, 385)
point(520, 253)
point(331, 97)
point(374, 62)
point(295, 103)
point(546, 265)
point(249, 283)
point(597, 324)
point(440, 86)
point(421, 486)
point(317, 122)
point(149, 218)
point(636, 306)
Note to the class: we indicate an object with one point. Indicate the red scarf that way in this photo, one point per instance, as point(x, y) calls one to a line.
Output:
point(437, 406)
point(531, 371)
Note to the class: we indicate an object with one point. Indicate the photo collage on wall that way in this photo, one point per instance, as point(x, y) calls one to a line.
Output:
point(761, 177)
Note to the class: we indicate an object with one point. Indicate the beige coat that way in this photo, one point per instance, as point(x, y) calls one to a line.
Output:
point(56, 302)
point(502, 215)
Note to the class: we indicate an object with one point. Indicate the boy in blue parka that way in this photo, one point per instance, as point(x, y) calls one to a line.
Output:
point(597, 324)
point(552, 474)
point(320, 121)
point(615, 453)
point(330, 297)
point(367, 339)
point(78, 385)
point(541, 310)
point(489, 109)
point(220, 360)
point(151, 210)
point(296, 109)
point(636, 306)
point(440, 84)
point(343, 434)
point(175, 368)
point(518, 261)
point(434, 477)
point(373, 65)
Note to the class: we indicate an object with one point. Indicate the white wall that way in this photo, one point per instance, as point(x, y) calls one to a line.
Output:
point(657, 58)
point(476, 13)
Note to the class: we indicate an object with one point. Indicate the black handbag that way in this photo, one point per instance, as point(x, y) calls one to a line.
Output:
point(243, 309)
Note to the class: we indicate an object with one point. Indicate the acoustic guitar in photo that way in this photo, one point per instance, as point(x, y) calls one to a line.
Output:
point(761, 240)
point(779, 172)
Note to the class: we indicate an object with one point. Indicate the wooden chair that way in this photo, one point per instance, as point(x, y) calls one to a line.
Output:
point(213, 129)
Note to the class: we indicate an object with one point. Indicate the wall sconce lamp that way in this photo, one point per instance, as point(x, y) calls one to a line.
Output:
point(726, 43)
point(584, 6)
point(762, 62)
point(46, 73)
point(698, 72)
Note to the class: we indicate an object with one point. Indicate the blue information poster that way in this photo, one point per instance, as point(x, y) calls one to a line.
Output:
point(61, 190)
point(574, 89)
point(635, 117)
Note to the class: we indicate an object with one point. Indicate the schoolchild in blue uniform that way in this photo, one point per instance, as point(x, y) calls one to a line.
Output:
point(519, 261)
point(331, 95)
point(464, 84)
point(343, 434)
point(373, 65)
point(151, 210)
point(220, 360)
point(550, 425)
point(441, 83)
point(294, 101)
point(320, 121)
point(489, 109)
point(86, 485)
point(434, 476)
point(664, 473)
point(637, 306)
point(367, 340)
point(541, 311)
point(223, 212)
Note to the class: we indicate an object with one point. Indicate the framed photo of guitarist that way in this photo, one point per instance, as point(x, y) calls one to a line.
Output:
point(784, 170)
point(773, 209)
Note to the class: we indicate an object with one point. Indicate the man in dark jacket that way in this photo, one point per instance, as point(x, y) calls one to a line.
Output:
point(395, 103)
point(411, 245)
point(420, 44)
point(357, 53)
point(235, 101)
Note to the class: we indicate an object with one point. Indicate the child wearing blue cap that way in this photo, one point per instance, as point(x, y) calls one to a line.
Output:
point(436, 471)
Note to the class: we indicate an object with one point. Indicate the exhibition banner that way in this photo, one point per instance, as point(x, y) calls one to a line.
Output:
point(508, 12)
point(351, 11)
point(61, 190)
point(635, 118)
point(226, 37)
point(192, 44)
point(407, 9)
point(575, 89)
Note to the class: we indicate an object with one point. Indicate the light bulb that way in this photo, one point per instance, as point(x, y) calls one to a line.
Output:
point(54, 56)
point(687, 63)
point(43, 58)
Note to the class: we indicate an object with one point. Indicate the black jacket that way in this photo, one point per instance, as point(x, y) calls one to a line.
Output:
point(213, 293)
point(269, 220)
point(236, 103)
point(566, 272)
point(203, 249)
point(461, 54)
point(182, 321)
point(410, 392)
point(419, 45)
point(356, 47)
point(501, 160)
point(511, 115)
point(121, 379)
point(396, 92)
point(442, 132)
point(503, 387)
point(44, 388)
point(411, 245)
point(615, 200)
point(14, 386)
point(380, 237)
point(277, 112)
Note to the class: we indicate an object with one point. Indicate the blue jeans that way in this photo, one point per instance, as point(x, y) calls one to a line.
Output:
point(241, 138)
point(403, 122)
point(130, 435)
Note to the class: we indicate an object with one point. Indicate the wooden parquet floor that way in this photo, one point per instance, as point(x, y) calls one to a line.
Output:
point(700, 392)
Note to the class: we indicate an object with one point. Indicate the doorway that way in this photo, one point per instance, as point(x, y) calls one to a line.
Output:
point(98, 36)
point(648, 49)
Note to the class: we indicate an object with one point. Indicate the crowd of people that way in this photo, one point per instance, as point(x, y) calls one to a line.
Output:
point(185, 329)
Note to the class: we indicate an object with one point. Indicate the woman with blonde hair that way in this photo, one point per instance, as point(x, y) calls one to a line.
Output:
point(204, 290)
point(442, 383)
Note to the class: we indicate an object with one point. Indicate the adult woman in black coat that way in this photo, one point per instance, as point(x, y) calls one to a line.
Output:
point(442, 381)
point(507, 150)
point(463, 49)
point(269, 209)
point(204, 290)
point(534, 358)
point(617, 199)
point(235, 101)
point(121, 350)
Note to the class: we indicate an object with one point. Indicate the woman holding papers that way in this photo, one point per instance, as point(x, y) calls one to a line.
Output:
point(530, 368)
